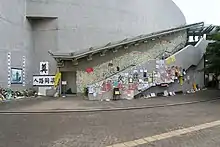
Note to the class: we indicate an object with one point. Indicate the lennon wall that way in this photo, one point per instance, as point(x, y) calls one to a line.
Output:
point(135, 55)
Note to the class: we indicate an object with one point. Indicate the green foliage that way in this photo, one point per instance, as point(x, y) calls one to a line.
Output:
point(215, 37)
point(213, 55)
point(218, 29)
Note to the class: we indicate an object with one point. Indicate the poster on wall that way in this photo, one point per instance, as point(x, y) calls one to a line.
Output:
point(171, 60)
point(43, 80)
point(16, 75)
point(44, 68)
point(89, 70)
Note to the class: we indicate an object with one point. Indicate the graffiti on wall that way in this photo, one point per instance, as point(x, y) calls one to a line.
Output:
point(136, 80)
point(104, 70)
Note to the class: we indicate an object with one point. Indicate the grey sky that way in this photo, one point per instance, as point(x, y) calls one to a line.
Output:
point(200, 10)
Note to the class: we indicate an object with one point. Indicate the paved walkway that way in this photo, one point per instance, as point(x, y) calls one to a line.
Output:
point(80, 104)
point(168, 135)
point(102, 129)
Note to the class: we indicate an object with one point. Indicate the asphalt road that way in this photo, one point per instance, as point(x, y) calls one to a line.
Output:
point(204, 138)
point(100, 129)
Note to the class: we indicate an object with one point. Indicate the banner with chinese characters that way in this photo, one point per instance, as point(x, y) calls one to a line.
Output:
point(44, 68)
point(43, 80)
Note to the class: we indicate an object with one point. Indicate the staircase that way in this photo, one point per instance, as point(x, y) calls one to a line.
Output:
point(184, 57)
point(189, 58)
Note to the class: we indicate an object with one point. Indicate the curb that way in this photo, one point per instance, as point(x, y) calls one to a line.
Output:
point(53, 111)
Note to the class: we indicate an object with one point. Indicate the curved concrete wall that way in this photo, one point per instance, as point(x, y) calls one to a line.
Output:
point(86, 23)
point(73, 25)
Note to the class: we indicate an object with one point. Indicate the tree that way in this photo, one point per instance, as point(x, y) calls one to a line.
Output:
point(218, 28)
point(213, 54)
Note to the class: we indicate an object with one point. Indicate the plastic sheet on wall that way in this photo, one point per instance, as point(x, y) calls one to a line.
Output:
point(91, 90)
point(89, 70)
point(106, 86)
point(170, 60)
point(127, 94)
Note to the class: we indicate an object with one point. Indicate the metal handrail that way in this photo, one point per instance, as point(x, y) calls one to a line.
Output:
point(176, 49)
point(132, 65)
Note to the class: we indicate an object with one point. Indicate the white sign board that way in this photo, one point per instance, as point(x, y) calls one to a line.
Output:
point(64, 82)
point(44, 68)
point(43, 80)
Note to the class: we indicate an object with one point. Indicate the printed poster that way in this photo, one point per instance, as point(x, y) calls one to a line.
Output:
point(16, 75)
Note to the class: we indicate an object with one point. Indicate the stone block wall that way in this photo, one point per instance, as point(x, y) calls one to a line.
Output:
point(135, 55)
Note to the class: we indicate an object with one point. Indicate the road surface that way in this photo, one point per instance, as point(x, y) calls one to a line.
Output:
point(102, 129)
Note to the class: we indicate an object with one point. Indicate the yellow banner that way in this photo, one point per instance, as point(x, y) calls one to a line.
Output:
point(170, 60)
point(57, 79)
point(173, 59)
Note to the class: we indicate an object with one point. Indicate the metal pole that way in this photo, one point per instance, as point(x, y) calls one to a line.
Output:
point(65, 90)
point(60, 83)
